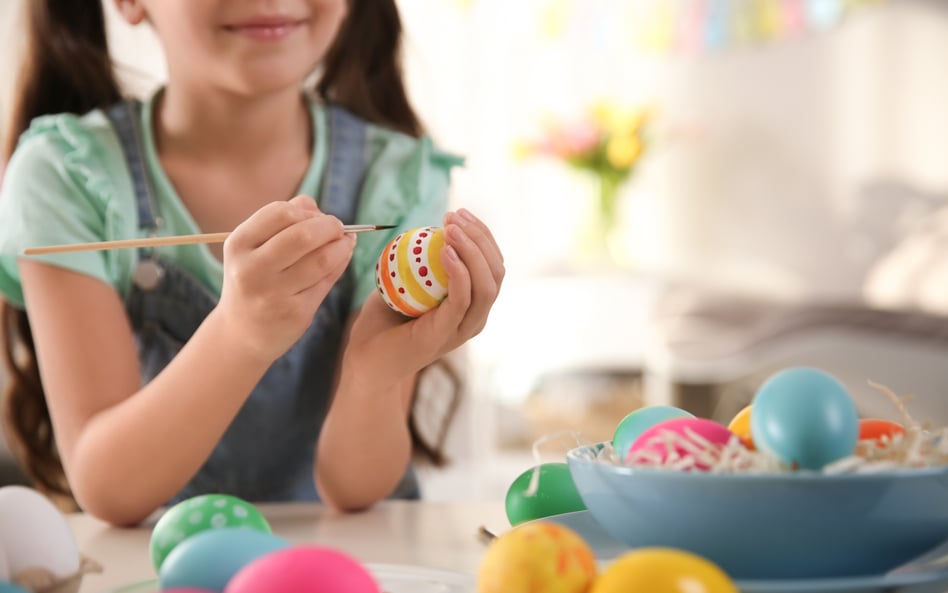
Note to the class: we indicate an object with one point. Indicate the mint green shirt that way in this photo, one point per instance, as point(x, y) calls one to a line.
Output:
point(67, 182)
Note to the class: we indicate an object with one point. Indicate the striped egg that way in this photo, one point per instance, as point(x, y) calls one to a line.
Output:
point(409, 274)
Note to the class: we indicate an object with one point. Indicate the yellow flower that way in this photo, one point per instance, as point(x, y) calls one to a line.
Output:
point(603, 114)
point(623, 151)
point(618, 120)
point(629, 121)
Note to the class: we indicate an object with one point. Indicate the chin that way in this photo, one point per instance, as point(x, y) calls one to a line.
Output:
point(266, 82)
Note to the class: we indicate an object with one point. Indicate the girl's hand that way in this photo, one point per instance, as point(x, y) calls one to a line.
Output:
point(393, 347)
point(279, 265)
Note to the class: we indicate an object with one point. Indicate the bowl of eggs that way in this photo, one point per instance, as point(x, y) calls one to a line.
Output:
point(796, 487)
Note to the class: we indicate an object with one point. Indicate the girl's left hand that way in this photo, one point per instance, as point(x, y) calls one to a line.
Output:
point(394, 347)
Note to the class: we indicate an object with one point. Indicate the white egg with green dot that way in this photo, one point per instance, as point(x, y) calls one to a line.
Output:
point(194, 515)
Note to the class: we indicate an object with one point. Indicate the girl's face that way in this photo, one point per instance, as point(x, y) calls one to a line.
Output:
point(244, 46)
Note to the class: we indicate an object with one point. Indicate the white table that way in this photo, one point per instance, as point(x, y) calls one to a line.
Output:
point(428, 534)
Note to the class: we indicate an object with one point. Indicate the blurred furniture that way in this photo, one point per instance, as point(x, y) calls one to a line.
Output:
point(709, 352)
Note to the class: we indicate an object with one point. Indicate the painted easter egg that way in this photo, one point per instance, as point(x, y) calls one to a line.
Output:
point(741, 426)
point(409, 273)
point(693, 441)
point(538, 556)
point(550, 492)
point(304, 569)
point(638, 421)
point(805, 417)
point(200, 513)
point(663, 570)
point(208, 560)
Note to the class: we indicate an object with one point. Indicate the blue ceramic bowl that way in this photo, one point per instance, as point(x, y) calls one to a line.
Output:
point(773, 526)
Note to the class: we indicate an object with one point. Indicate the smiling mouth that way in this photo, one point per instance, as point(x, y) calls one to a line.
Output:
point(265, 30)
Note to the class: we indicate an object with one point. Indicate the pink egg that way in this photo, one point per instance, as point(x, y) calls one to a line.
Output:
point(684, 436)
point(186, 590)
point(304, 569)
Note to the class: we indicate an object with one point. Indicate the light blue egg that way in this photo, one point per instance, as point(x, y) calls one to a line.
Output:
point(209, 559)
point(805, 417)
point(6, 587)
point(638, 421)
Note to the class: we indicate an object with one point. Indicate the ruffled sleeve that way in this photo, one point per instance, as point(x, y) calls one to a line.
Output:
point(61, 186)
point(406, 185)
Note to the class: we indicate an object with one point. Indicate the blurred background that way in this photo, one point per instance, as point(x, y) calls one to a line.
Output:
point(690, 195)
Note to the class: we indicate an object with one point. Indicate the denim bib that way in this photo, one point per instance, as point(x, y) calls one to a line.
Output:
point(267, 452)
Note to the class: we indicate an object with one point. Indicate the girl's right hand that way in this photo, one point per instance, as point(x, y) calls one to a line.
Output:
point(279, 265)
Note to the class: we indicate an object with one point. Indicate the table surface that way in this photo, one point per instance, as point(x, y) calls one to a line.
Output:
point(438, 535)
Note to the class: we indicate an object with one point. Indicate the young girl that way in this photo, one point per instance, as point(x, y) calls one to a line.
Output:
point(268, 367)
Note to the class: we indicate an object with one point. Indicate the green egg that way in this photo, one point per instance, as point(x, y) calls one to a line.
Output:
point(200, 513)
point(555, 494)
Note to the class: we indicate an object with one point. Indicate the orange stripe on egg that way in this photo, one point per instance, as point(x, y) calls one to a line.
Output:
point(434, 257)
point(416, 290)
point(392, 292)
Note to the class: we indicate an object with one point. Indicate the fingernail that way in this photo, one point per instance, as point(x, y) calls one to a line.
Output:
point(456, 232)
point(450, 253)
point(466, 215)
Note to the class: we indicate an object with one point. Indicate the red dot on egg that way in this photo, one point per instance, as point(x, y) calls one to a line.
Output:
point(416, 250)
point(401, 290)
point(418, 242)
point(417, 260)
point(391, 257)
point(422, 234)
point(427, 282)
point(393, 274)
point(423, 271)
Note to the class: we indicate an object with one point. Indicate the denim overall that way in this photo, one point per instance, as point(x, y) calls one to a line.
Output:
point(267, 452)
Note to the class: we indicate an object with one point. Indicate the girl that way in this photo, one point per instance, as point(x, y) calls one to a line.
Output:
point(269, 367)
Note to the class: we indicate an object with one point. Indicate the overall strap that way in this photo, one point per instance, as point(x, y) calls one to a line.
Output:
point(345, 166)
point(126, 121)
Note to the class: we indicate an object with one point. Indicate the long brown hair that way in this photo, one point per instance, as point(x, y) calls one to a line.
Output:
point(67, 69)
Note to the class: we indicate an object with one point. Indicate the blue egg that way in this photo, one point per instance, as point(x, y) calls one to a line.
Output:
point(638, 421)
point(6, 587)
point(805, 417)
point(208, 560)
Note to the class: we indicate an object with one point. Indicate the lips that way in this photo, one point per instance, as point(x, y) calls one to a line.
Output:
point(265, 28)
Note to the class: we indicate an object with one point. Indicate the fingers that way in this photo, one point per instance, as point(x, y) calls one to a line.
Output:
point(480, 255)
point(481, 235)
point(305, 202)
point(447, 317)
point(289, 245)
point(320, 266)
point(268, 221)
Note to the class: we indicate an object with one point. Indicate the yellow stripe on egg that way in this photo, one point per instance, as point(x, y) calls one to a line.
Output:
point(434, 255)
point(407, 274)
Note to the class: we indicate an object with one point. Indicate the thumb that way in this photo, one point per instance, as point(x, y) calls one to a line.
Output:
point(305, 202)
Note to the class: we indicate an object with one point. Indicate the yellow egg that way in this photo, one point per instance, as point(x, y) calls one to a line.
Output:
point(539, 556)
point(409, 274)
point(663, 570)
point(741, 426)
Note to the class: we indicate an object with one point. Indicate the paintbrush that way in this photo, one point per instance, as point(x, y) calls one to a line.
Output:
point(164, 241)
